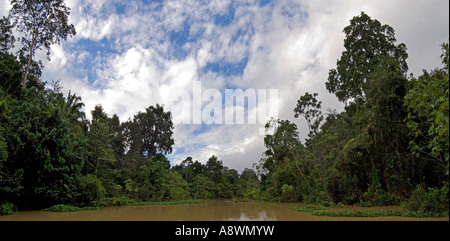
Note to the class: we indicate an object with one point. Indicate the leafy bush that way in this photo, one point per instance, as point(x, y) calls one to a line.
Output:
point(91, 190)
point(67, 208)
point(174, 187)
point(8, 208)
point(288, 194)
point(342, 188)
point(431, 200)
point(308, 208)
point(269, 195)
point(379, 213)
point(376, 196)
point(252, 192)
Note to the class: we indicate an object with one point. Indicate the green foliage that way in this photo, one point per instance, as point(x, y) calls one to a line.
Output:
point(367, 41)
point(91, 190)
point(288, 194)
point(376, 196)
point(385, 126)
point(7, 38)
point(7, 208)
point(282, 146)
point(428, 200)
point(381, 213)
point(321, 211)
point(72, 108)
point(50, 154)
point(364, 155)
point(308, 208)
point(372, 73)
point(67, 208)
point(201, 187)
point(252, 190)
point(42, 23)
point(101, 154)
point(428, 120)
point(309, 107)
point(10, 74)
point(214, 168)
point(156, 128)
point(174, 187)
point(44, 149)
point(343, 188)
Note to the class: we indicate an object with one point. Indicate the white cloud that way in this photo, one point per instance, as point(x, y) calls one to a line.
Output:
point(290, 46)
point(4, 7)
point(58, 57)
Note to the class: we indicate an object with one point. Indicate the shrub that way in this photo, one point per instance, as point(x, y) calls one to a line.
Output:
point(342, 188)
point(376, 196)
point(67, 208)
point(288, 194)
point(91, 190)
point(252, 191)
point(8, 208)
point(431, 200)
point(269, 195)
point(308, 208)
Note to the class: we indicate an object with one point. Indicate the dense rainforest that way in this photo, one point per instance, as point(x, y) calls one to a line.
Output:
point(389, 145)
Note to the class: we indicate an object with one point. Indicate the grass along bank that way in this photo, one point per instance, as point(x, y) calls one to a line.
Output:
point(332, 212)
point(71, 208)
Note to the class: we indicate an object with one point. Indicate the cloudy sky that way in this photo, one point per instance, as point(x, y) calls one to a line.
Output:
point(128, 55)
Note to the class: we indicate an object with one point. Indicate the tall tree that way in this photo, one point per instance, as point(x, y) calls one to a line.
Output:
point(282, 144)
point(187, 167)
point(43, 23)
point(385, 128)
point(98, 114)
point(155, 127)
point(99, 139)
point(366, 43)
point(309, 107)
point(214, 168)
point(73, 107)
point(283, 152)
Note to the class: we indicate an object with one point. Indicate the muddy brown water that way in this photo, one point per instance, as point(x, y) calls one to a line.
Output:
point(210, 210)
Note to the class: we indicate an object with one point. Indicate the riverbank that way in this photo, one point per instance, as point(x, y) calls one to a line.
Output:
point(70, 208)
point(358, 212)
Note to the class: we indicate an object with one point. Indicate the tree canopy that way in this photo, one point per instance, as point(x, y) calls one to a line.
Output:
point(367, 42)
point(43, 23)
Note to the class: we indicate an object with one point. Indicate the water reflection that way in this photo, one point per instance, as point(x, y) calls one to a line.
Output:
point(210, 210)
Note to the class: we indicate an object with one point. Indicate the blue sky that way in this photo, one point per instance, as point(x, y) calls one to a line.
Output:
point(129, 55)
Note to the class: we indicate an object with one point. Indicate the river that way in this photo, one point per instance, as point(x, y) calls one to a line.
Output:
point(210, 210)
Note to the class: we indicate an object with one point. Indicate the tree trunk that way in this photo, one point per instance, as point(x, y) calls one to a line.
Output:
point(24, 81)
